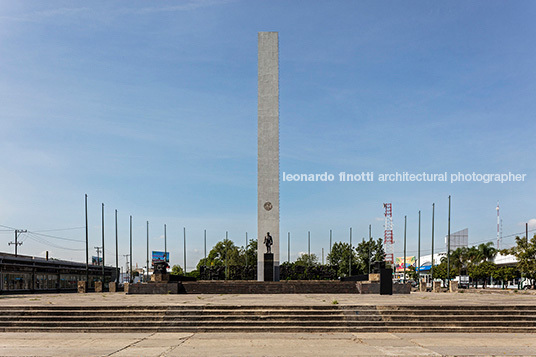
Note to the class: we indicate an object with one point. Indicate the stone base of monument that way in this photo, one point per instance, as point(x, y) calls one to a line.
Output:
point(82, 286)
point(423, 286)
point(160, 278)
point(373, 277)
point(153, 288)
point(98, 287)
point(436, 286)
point(453, 287)
point(268, 266)
point(112, 287)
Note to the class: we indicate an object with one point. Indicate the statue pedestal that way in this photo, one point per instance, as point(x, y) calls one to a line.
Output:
point(268, 266)
point(386, 281)
point(160, 277)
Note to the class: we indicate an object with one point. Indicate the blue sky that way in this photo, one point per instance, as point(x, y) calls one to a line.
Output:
point(150, 107)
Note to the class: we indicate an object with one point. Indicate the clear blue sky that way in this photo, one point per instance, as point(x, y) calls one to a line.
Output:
point(151, 108)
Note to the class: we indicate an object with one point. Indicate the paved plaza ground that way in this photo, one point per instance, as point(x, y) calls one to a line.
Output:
point(274, 344)
point(267, 344)
point(478, 297)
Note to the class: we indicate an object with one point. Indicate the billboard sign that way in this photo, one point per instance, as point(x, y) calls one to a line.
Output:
point(159, 256)
point(410, 261)
point(96, 260)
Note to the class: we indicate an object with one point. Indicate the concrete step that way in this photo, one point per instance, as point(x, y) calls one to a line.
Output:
point(178, 317)
point(268, 318)
point(81, 313)
point(287, 328)
point(167, 318)
point(269, 323)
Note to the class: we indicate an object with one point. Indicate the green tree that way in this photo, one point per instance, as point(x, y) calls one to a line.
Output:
point(177, 270)
point(440, 270)
point(525, 252)
point(504, 274)
point(369, 252)
point(459, 258)
point(412, 273)
point(482, 271)
point(486, 251)
point(250, 252)
point(224, 253)
point(307, 260)
point(340, 257)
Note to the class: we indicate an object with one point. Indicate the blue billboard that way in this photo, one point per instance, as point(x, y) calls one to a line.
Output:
point(159, 256)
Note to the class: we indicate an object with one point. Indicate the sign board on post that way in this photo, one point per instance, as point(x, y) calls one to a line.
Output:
point(96, 260)
point(160, 256)
point(399, 263)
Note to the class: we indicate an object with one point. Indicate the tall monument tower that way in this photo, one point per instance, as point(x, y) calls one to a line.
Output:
point(268, 155)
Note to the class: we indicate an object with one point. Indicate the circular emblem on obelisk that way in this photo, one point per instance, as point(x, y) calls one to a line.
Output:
point(268, 206)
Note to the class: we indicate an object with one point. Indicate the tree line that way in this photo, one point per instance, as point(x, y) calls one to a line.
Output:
point(231, 262)
point(476, 262)
point(227, 261)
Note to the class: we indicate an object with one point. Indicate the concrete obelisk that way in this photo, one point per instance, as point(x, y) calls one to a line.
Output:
point(268, 155)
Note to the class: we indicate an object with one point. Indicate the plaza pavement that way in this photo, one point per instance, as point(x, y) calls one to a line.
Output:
point(268, 344)
point(478, 297)
point(272, 344)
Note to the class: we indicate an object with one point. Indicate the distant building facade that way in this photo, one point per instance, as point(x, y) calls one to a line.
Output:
point(457, 239)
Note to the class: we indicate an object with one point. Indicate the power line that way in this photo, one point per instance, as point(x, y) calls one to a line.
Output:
point(41, 240)
point(50, 230)
point(58, 229)
point(56, 237)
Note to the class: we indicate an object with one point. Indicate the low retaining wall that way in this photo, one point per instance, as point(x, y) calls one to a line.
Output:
point(152, 288)
point(268, 287)
point(263, 287)
point(366, 287)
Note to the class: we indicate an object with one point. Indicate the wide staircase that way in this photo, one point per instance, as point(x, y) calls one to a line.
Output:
point(332, 318)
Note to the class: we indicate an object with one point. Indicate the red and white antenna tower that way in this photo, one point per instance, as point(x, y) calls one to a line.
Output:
point(388, 241)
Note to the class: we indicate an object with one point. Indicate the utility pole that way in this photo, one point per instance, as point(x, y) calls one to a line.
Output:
point(184, 232)
point(129, 273)
point(350, 259)
point(130, 276)
point(17, 243)
point(419, 251)
point(448, 251)
point(98, 254)
point(246, 247)
point(405, 226)
point(527, 234)
point(226, 250)
point(309, 245)
point(116, 251)
point(330, 240)
point(288, 248)
point(322, 256)
point(103, 275)
point(165, 243)
point(369, 246)
point(147, 267)
point(87, 246)
point(432, 267)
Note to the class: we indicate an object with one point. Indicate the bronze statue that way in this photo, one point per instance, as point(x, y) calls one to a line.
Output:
point(268, 241)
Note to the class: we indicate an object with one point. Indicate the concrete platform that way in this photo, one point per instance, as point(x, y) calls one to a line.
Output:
point(416, 298)
point(277, 344)
point(268, 344)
